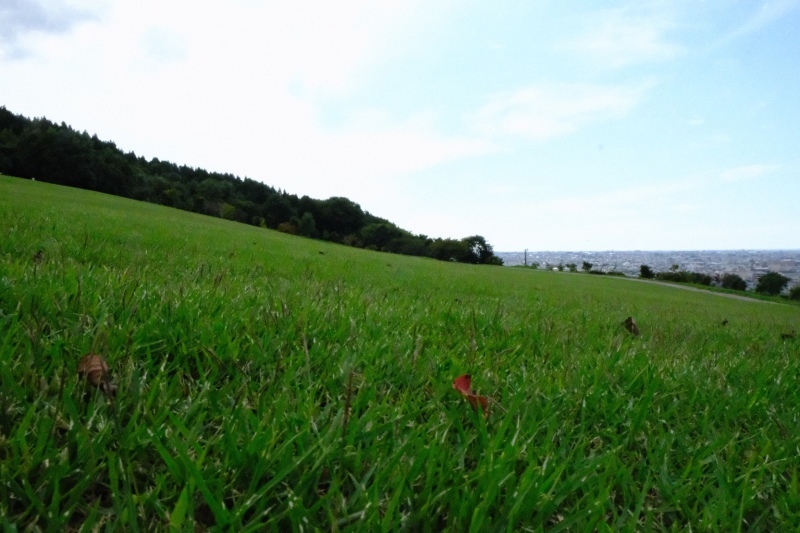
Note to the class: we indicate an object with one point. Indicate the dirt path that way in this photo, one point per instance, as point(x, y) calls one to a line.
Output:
point(695, 289)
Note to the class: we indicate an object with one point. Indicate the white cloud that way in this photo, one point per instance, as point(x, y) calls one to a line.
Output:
point(628, 198)
point(625, 36)
point(237, 88)
point(749, 172)
point(546, 111)
point(766, 14)
point(363, 163)
point(21, 18)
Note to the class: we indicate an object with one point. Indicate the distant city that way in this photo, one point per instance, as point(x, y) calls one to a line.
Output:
point(748, 264)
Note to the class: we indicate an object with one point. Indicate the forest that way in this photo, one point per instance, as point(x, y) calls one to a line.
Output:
point(56, 153)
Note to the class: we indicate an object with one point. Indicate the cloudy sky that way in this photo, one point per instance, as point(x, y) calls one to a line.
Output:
point(539, 124)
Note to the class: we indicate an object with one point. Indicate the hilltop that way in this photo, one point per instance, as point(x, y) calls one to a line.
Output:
point(55, 153)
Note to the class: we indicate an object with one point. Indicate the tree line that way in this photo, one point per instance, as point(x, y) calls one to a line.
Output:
point(55, 153)
point(770, 283)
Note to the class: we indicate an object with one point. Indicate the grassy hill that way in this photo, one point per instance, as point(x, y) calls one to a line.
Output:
point(270, 381)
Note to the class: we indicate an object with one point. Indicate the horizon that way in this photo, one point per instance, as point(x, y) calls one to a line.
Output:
point(648, 250)
point(673, 124)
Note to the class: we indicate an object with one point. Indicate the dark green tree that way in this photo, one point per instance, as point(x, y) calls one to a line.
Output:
point(645, 272)
point(339, 217)
point(451, 250)
point(409, 244)
point(772, 283)
point(378, 235)
point(306, 225)
point(733, 281)
point(481, 251)
point(586, 266)
point(277, 209)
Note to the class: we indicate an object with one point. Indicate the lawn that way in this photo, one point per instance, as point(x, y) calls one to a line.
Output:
point(266, 381)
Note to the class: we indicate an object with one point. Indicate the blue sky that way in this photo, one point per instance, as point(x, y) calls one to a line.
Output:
point(547, 125)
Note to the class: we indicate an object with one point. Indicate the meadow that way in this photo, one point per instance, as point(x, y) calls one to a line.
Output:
point(267, 381)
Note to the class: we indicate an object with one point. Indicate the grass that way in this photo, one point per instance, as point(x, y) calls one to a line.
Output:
point(272, 382)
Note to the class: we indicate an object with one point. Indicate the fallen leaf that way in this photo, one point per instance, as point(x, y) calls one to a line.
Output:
point(631, 326)
point(95, 369)
point(463, 384)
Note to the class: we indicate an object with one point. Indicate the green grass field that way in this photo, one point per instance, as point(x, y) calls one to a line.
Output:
point(272, 382)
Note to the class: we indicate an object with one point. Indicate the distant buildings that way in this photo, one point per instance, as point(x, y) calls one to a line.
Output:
point(748, 264)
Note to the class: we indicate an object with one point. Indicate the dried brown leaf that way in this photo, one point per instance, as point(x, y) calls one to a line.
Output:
point(631, 326)
point(95, 369)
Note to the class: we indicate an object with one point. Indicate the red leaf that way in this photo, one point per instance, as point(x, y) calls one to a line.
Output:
point(475, 400)
point(463, 385)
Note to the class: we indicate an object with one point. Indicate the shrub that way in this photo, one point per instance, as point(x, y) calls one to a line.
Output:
point(645, 272)
point(794, 293)
point(772, 283)
point(733, 281)
point(287, 227)
point(683, 276)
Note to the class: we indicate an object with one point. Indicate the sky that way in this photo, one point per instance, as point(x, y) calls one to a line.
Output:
point(538, 124)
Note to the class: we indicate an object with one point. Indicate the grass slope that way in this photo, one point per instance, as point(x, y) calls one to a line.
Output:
point(268, 381)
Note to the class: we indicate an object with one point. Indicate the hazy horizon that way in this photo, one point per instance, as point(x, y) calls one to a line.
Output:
point(712, 250)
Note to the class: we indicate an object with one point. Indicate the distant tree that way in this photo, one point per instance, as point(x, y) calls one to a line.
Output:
point(733, 281)
point(353, 240)
point(560, 267)
point(450, 250)
point(572, 267)
point(55, 153)
point(700, 278)
point(481, 251)
point(772, 283)
point(276, 210)
point(645, 272)
point(408, 244)
point(794, 293)
point(674, 268)
point(339, 216)
point(380, 234)
point(216, 190)
point(228, 211)
point(306, 225)
point(683, 276)
point(586, 266)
